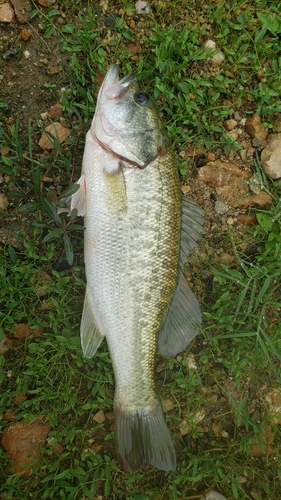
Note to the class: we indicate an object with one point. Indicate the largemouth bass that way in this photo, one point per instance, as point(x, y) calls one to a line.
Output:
point(136, 294)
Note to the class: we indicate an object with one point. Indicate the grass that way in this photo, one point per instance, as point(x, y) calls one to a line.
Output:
point(237, 356)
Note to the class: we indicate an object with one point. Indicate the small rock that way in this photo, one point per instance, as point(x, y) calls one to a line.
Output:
point(195, 151)
point(19, 398)
point(6, 13)
point(256, 142)
point(167, 405)
point(226, 258)
point(247, 219)
point(41, 282)
point(22, 10)
point(4, 202)
point(99, 417)
point(52, 70)
point(57, 131)
point(255, 129)
point(142, 7)
point(196, 418)
point(214, 495)
point(25, 35)
point(221, 208)
point(5, 344)
point(26, 54)
point(45, 3)
point(37, 332)
point(225, 434)
point(22, 442)
point(191, 362)
point(273, 398)
point(14, 232)
point(212, 397)
point(55, 447)
point(110, 416)
point(237, 116)
point(233, 134)
point(241, 479)
point(185, 189)
point(231, 185)
point(230, 124)
point(218, 57)
point(21, 331)
point(250, 152)
point(217, 429)
point(271, 157)
point(277, 124)
point(267, 449)
point(211, 157)
point(55, 112)
point(133, 48)
point(11, 415)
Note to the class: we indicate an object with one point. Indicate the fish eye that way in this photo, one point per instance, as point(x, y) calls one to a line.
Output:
point(141, 98)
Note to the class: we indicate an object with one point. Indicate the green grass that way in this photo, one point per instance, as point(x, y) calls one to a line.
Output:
point(238, 354)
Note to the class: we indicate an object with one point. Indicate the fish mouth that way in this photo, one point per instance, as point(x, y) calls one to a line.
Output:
point(112, 87)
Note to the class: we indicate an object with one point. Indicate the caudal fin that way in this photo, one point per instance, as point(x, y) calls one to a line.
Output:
point(143, 437)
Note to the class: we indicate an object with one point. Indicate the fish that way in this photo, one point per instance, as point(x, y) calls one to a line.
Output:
point(138, 234)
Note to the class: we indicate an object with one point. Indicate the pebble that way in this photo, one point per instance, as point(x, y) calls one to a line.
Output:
point(211, 157)
point(25, 35)
point(99, 417)
point(9, 53)
point(6, 13)
point(22, 442)
point(57, 131)
point(233, 134)
point(247, 219)
point(142, 7)
point(230, 124)
point(218, 58)
point(4, 202)
point(214, 495)
point(271, 157)
point(226, 258)
point(231, 185)
point(55, 112)
point(221, 208)
point(22, 10)
point(255, 129)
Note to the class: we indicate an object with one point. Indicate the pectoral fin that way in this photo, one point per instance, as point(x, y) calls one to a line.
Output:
point(76, 200)
point(91, 337)
point(183, 321)
point(116, 190)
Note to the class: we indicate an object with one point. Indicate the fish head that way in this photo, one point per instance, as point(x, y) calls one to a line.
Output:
point(126, 122)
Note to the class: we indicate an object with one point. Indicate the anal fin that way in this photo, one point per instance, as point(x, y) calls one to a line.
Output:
point(91, 337)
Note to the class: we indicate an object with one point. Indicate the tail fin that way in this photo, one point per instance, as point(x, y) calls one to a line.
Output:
point(143, 436)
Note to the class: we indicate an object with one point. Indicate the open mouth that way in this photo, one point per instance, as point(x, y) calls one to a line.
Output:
point(113, 88)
